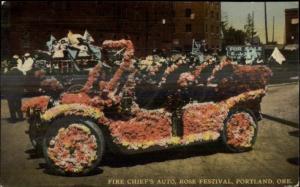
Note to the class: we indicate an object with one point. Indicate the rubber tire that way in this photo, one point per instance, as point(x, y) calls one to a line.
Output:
point(65, 122)
point(224, 136)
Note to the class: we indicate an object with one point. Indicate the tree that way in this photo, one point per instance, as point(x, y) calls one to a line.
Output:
point(250, 29)
point(234, 36)
point(231, 36)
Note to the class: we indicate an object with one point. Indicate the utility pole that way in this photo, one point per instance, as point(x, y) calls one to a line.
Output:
point(273, 29)
point(266, 23)
point(252, 28)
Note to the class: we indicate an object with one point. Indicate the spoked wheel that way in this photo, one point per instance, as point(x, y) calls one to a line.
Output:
point(75, 88)
point(240, 131)
point(73, 146)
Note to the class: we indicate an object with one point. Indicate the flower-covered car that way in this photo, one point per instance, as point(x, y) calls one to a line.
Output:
point(157, 103)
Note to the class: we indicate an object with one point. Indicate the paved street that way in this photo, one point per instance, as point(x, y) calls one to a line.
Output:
point(272, 157)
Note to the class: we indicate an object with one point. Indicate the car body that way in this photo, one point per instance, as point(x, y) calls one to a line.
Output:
point(146, 108)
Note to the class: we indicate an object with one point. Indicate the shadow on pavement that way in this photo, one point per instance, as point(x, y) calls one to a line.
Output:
point(33, 154)
point(294, 133)
point(12, 121)
point(120, 160)
point(294, 161)
point(280, 120)
point(48, 171)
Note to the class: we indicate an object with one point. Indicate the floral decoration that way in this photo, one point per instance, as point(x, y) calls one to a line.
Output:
point(225, 62)
point(93, 76)
point(73, 149)
point(69, 98)
point(72, 109)
point(201, 122)
point(39, 103)
point(240, 130)
point(186, 79)
point(201, 117)
point(51, 84)
point(177, 61)
point(146, 129)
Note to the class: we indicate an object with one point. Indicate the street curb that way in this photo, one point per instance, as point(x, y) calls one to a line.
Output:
point(282, 84)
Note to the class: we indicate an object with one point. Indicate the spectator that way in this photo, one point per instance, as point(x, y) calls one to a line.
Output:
point(18, 61)
point(13, 87)
point(28, 63)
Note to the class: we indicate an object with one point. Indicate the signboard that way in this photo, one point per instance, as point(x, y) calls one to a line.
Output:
point(247, 54)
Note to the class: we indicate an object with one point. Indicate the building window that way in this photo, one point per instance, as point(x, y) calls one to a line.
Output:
point(206, 28)
point(294, 21)
point(124, 13)
point(212, 29)
point(211, 13)
point(173, 13)
point(188, 12)
point(25, 40)
point(188, 28)
point(217, 15)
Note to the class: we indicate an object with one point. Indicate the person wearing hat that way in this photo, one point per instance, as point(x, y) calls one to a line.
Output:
point(28, 63)
point(18, 61)
point(13, 88)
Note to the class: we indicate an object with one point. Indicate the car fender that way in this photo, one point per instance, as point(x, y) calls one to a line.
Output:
point(76, 109)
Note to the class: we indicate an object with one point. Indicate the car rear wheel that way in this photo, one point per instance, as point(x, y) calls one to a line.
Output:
point(73, 146)
point(240, 131)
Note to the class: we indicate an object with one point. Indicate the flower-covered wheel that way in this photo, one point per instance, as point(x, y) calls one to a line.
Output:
point(240, 131)
point(73, 146)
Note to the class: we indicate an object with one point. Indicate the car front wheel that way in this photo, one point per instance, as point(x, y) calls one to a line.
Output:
point(73, 145)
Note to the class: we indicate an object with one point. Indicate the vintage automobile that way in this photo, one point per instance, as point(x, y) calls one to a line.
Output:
point(124, 112)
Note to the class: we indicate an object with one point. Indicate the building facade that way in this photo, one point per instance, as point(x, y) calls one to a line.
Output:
point(291, 26)
point(197, 20)
point(27, 25)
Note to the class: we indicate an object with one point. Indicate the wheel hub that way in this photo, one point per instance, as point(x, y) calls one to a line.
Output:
point(73, 148)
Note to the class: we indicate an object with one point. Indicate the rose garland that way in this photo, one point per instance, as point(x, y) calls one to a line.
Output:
point(75, 109)
point(178, 62)
point(93, 76)
point(128, 55)
point(186, 79)
point(151, 64)
point(244, 97)
point(244, 78)
point(217, 68)
point(51, 84)
point(69, 98)
point(40, 103)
